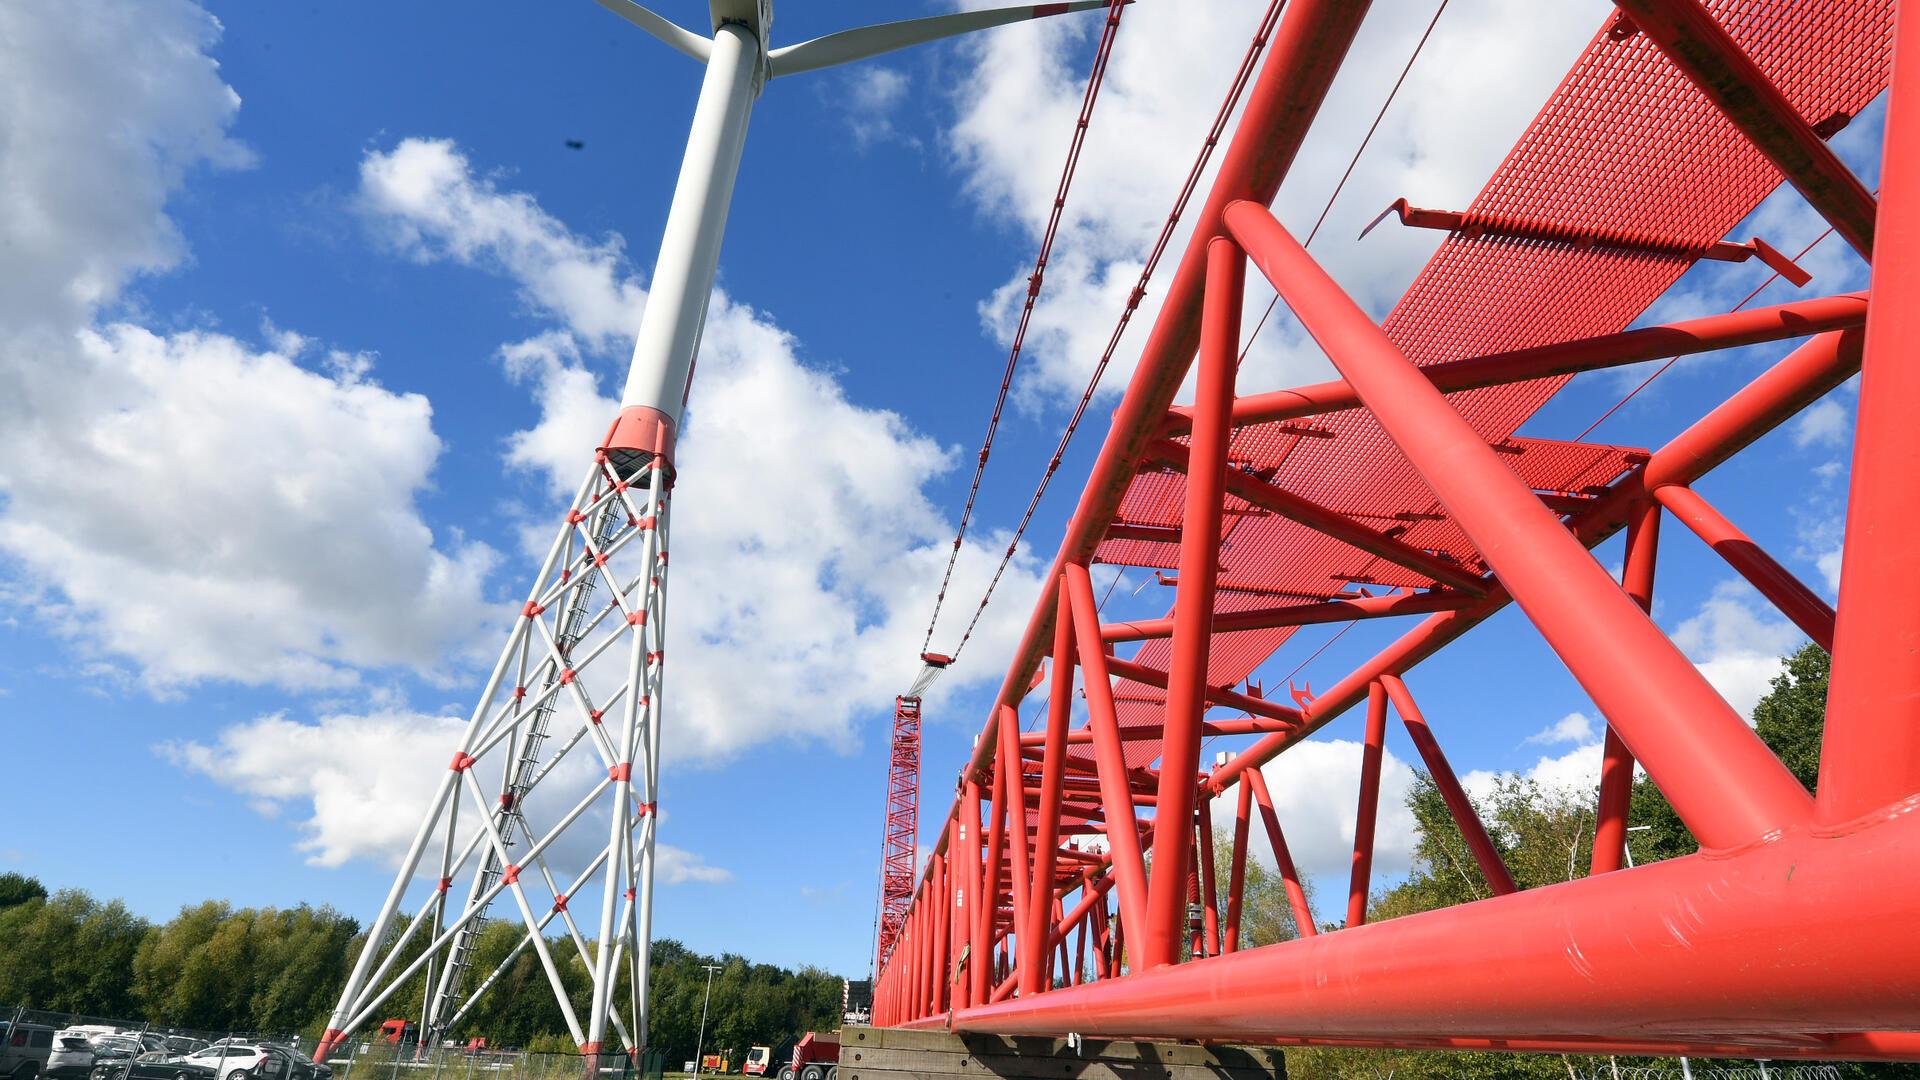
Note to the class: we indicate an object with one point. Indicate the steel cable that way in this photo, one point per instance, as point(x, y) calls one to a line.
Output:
point(1241, 78)
point(1034, 282)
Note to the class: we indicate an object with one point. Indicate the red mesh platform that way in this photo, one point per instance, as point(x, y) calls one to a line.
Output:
point(1625, 143)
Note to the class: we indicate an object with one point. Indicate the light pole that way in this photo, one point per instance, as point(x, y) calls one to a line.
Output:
point(699, 1040)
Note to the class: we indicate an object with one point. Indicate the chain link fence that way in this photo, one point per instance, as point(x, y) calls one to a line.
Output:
point(1759, 1071)
point(376, 1060)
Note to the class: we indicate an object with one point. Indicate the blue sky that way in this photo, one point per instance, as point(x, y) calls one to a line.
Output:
point(308, 313)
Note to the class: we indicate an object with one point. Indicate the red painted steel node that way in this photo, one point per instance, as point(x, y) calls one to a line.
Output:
point(638, 435)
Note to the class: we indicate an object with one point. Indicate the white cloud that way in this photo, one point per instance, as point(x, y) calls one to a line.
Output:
point(805, 549)
point(869, 96)
point(104, 111)
point(1571, 728)
point(423, 198)
point(359, 777)
point(186, 503)
point(1315, 786)
point(1576, 772)
point(1478, 83)
point(1820, 523)
point(1826, 423)
point(212, 512)
point(359, 785)
point(677, 866)
point(1737, 642)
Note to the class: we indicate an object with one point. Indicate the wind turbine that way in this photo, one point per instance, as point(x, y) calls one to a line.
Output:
point(614, 539)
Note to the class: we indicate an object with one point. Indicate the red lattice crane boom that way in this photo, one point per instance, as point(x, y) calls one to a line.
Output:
point(900, 844)
point(903, 823)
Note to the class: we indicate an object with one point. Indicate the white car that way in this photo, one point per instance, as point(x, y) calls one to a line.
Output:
point(72, 1055)
point(238, 1061)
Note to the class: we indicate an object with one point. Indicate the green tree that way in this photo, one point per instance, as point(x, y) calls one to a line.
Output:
point(19, 889)
point(1790, 719)
point(1266, 916)
point(69, 953)
point(182, 977)
point(1543, 837)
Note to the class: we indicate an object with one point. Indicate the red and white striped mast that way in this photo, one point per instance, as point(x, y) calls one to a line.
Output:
point(598, 601)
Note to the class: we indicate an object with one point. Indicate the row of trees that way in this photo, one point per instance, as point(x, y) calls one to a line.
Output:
point(214, 967)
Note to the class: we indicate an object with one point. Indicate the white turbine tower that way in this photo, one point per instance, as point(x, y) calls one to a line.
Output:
point(600, 595)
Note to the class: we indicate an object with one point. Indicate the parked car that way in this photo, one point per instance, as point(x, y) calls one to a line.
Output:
point(236, 1060)
point(24, 1050)
point(114, 1047)
point(298, 1067)
point(151, 1065)
point(72, 1057)
point(123, 1045)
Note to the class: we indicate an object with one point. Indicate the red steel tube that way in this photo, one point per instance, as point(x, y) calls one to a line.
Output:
point(1729, 78)
point(1237, 867)
point(1080, 953)
point(942, 931)
point(1724, 782)
point(1857, 1046)
point(1103, 963)
point(1196, 943)
point(1372, 607)
point(1018, 862)
point(1209, 884)
point(1116, 801)
point(1091, 893)
point(915, 961)
point(1216, 695)
point(1033, 936)
point(1256, 781)
point(1805, 375)
point(988, 908)
point(1654, 953)
point(1372, 753)
point(1492, 866)
point(1797, 602)
point(1802, 377)
point(1308, 48)
point(1193, 603)
point(1688, 337)
point(1059, 914)
point(968, 837)
point(1870, 754)
point(1240, 725)
point(1339, 526)
point(1616, 761)
point(1306, 52)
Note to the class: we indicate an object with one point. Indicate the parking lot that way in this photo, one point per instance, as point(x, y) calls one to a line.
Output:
point(36, 1044)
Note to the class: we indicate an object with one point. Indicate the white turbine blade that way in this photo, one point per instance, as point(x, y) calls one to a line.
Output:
point(847, 46)
point(661, 27)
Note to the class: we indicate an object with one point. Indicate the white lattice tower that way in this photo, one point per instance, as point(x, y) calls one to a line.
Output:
point(613, 541)
point(585, 656)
